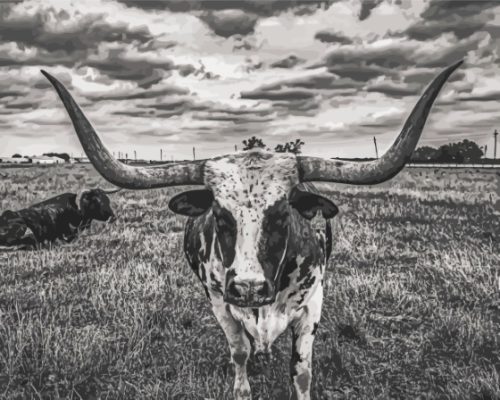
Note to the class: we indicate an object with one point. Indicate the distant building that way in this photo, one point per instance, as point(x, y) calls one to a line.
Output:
point(81, 159)
point(15, 160)
point(46, 160)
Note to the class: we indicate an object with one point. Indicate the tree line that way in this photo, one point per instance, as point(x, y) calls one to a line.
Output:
point(294, 147)
point(63, 156)
point(465, 151)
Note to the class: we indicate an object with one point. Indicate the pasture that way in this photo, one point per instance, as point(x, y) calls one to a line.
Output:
point(412, 300)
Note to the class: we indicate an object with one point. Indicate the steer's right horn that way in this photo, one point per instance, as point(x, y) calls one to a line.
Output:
point(387, 166)
point(116, 172)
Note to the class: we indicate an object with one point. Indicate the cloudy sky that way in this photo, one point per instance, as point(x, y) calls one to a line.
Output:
point(173, 74)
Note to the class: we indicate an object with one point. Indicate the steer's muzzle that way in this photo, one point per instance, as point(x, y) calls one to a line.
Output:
point(249, 293)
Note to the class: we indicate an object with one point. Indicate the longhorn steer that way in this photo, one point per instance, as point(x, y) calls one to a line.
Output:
point(249, 237)
point(56, 218)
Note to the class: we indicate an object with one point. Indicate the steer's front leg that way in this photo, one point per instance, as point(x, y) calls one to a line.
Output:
point(303, 333)
point(240, 348)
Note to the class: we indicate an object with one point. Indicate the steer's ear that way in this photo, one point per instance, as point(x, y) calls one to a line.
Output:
point(305, 199)
point(192, 203)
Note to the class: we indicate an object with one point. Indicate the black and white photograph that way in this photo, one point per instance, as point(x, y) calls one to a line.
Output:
point(250, 199)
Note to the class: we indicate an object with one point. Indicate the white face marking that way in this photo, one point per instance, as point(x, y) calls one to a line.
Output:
point(246, 184)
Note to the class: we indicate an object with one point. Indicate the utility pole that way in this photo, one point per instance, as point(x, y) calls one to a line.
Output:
point(135, 155)
point(194, 153)
point(375, 142)
point(495, 135)
point(161, 154)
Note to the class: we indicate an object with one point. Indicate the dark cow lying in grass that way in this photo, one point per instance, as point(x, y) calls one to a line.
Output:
point(60, 217)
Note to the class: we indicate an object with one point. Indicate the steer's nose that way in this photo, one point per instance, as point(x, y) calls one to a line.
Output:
point(249, 293)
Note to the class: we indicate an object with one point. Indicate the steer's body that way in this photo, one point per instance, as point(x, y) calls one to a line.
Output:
point(267, 231)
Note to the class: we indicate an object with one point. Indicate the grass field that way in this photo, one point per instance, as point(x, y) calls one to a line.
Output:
point(412, 301)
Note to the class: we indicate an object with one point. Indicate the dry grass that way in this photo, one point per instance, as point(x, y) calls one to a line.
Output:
point(412, 307)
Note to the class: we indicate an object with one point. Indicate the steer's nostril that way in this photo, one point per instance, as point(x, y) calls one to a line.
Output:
point(233, 290)
point(264, 289)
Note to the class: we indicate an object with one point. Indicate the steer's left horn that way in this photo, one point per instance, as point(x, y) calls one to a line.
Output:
point(387, 166)
point(116, 172)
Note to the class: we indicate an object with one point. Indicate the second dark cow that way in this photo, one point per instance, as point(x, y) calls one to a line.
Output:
point(60, 217)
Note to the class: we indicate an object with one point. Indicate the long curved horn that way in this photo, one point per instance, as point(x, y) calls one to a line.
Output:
point(114, 171)
point(387, 166)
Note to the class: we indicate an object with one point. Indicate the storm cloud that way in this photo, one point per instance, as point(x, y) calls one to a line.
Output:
point(58, 33)
point(462, 18)
point(174, 73)
point(331, 36)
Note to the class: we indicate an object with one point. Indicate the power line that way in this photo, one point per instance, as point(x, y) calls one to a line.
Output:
point(376, 149)
point(495, 135)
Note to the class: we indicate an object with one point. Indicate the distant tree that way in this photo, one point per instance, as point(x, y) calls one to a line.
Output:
point(425, 153)
point(252, 143)
point(465, 151)
point(447, 154)
point(470, 151)
point(280, 148)
point(290, 147)
point(64, 156)
point(17, 155)
point(296, 147)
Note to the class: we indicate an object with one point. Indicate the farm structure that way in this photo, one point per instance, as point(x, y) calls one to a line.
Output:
point(14, 160)
point(46, 160)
